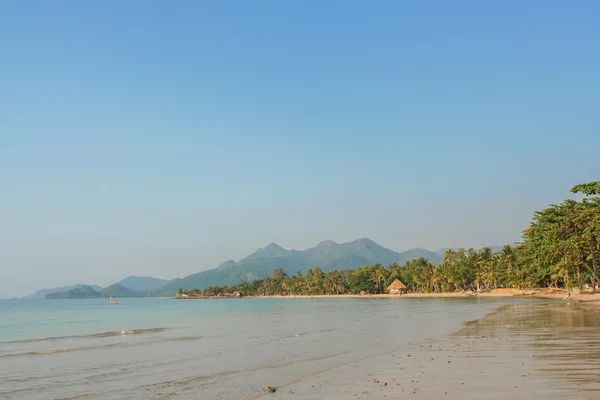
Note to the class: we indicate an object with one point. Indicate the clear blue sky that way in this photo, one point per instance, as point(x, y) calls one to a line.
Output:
point(162, 138)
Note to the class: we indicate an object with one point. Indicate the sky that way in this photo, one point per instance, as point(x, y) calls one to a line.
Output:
point(163, 138)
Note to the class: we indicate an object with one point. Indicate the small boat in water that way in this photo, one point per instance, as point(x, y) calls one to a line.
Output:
point(112, 301)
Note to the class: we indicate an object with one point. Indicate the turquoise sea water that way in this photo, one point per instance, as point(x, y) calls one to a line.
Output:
point(226, 349)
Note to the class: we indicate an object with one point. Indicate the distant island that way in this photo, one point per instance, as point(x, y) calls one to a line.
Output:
point(80, 292)
point(87, 292)
point(132, 286)
point(42, 293)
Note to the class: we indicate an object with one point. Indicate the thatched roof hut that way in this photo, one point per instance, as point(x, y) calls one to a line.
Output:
point(397, 287)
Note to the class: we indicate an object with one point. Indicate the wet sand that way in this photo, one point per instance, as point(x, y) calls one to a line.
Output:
point(544, 350)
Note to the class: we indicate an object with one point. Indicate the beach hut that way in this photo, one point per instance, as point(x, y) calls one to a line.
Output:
point(397, 287)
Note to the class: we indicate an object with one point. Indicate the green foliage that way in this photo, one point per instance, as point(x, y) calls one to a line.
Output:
point(379, 276)
point(336, 283)
point(564, 240)
point(588, 189)
point(361, 280)
point(314, 281)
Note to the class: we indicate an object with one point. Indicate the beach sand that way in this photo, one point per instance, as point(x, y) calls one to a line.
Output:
point(557, 294)
point(544, 350)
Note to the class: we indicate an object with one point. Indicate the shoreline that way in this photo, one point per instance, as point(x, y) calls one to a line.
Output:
point(542, 293)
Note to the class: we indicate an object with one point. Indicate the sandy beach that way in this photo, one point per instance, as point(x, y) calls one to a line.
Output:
point(543, 349)
point(520, 351)
point(556, 294)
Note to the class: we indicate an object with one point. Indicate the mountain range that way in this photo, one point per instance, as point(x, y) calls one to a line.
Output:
point(141, 283)
point(328, 254)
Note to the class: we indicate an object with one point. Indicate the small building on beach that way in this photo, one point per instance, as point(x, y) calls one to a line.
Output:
point(397, 287)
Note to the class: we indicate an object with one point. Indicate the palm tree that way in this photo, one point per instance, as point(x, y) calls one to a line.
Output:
point(297, 284)
point(449, 256)
point(439, 278)
point(485, 253)
point(286, 284)
point(481, 258)
point(425, 278)
point(491, 277)
point(263, 289)
point(379, 277)
point(314, 280)
point(508, 255)
point(329, 284)
point(335, 282)
point(243, 288)
point(394, 272)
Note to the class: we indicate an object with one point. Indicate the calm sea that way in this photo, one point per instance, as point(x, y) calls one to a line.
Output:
point(226, 349)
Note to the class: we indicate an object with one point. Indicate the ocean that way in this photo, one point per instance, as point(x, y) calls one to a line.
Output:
point(160, 348)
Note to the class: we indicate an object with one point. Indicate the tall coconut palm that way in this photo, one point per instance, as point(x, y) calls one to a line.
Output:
point(314, 280)
point(492, 267)
point(485, 254)
point(425, 278)
point(508, 255)
point(440, 278)
point(449, 256)
point(379, 277)
point(481, 258)
point(329, 283)
point(264, 289)
point(286, 285)
point(334, 282)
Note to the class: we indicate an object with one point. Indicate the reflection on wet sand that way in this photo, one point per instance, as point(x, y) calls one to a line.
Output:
point(531, 350)
point(563, 339)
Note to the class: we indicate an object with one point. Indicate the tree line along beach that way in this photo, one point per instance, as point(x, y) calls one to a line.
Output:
point(558, 256)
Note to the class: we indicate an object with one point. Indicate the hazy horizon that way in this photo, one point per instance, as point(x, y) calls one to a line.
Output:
point(111, 280)
point(151, 139)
